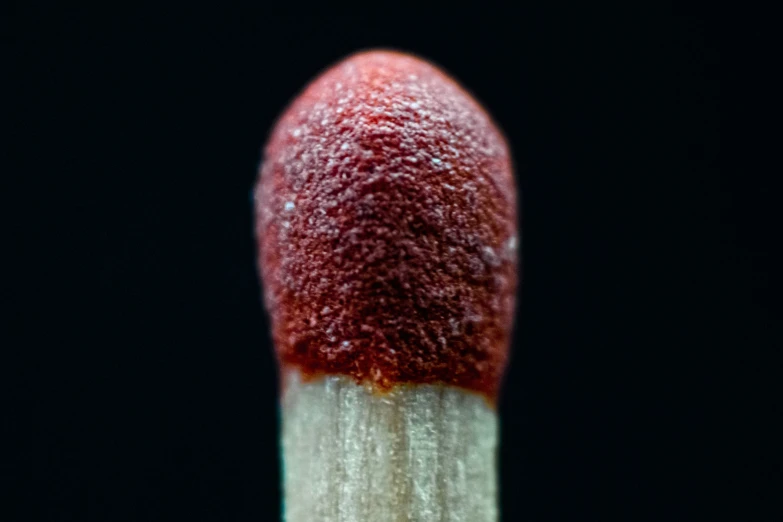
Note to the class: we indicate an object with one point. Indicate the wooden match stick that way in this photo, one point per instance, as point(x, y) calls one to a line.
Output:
point(386, 223)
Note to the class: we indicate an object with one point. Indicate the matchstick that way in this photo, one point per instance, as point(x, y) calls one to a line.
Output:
point(386, 223)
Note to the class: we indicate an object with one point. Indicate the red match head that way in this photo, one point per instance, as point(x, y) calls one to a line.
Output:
point(386, 224)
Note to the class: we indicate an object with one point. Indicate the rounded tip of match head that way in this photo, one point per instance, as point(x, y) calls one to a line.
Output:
point(386, 222)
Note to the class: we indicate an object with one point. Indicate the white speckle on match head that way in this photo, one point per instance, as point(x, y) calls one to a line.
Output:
point(289, 206)
point(489, 256)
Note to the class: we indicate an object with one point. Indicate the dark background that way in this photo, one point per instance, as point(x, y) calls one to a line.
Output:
point(149, 389)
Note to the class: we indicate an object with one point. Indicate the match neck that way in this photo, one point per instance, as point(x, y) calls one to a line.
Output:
point(416, 453)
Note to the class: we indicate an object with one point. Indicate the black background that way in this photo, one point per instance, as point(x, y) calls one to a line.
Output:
point(149, 390)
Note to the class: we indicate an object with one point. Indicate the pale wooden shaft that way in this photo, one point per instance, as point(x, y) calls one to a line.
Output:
point(420, 453)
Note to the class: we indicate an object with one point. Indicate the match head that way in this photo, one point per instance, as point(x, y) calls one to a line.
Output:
point(386, 225)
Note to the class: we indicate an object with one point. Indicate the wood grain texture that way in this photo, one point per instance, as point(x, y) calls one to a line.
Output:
point(419, 453)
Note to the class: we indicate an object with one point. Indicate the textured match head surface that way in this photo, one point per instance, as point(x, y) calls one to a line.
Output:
point(386, 225)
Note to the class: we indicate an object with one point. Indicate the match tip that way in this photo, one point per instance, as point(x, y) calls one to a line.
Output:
point(386, 225)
